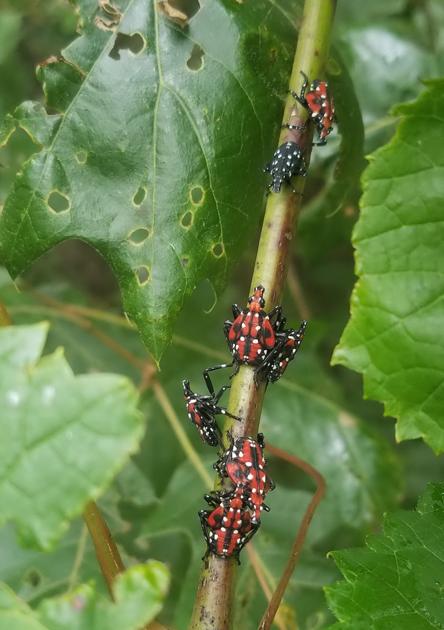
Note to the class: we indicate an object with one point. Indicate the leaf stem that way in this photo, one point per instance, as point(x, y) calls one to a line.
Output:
point(108, 555)
point(275, 600)
point(214, 599)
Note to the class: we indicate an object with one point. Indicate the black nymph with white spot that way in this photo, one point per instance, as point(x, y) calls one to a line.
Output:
point(287, 162)
point(202, 410)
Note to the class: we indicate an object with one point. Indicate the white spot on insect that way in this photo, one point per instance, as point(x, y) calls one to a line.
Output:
point(258, 327)
point(242, 338)
point(222, 529)
point(13, 398)
point(248, 464)
point(215, 536)
point(250, 477)
point(241, 454)
point(225, 519)
point(253, 490)
point(259, 351)
point(255, 340)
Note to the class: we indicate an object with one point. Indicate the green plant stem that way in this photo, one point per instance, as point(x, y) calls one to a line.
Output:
point(214, 600)
point(108, 555)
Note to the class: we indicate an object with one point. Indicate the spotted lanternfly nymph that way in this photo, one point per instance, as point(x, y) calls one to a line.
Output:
point(244, 464)
point(289, 342)
point(286, 163)
point(228, 527)
point(203, 409)
point(319, 104)
point(251, 334)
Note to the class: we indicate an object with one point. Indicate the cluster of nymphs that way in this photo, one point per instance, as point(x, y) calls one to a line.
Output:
point(260, 340)
point(288, 159)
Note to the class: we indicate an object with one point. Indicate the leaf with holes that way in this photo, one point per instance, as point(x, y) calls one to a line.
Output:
point(138, 593)
point(63, 437)
point(155, 154)
point(396, 582)
point(395, 335)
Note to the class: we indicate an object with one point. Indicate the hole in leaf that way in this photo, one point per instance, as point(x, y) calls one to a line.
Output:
point(135, 43)
point(138, 236)
point(58, 202)
point(142, 275)
point(197, 195)
point(109, 8)
point(218, 250)
point(179, 11)
point(139, 197)
point(187, 220)
point(81, 157)
point(33, 577)
point(195, 60)
point(190, 7)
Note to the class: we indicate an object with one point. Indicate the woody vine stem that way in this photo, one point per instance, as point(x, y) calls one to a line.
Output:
point(214, 600)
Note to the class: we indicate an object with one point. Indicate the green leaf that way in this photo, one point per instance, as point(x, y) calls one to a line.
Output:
point(382, 64)
point(63, 437)
point(395, 337)
point(139, 594)
point(361, 470)
point(397, 581)
point(155, 158)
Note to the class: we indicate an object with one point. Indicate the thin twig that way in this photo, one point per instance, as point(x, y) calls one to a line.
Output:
point(257, 565)
point(296, 292)
point(108, 555)
point(276, 599)
point(78, 558)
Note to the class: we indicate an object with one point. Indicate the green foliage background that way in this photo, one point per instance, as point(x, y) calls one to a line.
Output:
point(380, 53)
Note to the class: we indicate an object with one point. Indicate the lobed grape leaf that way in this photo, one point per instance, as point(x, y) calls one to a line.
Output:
point(63, 437)
point(397, 581)
point(395, 337)
point(138, 594)
point(155, 153)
